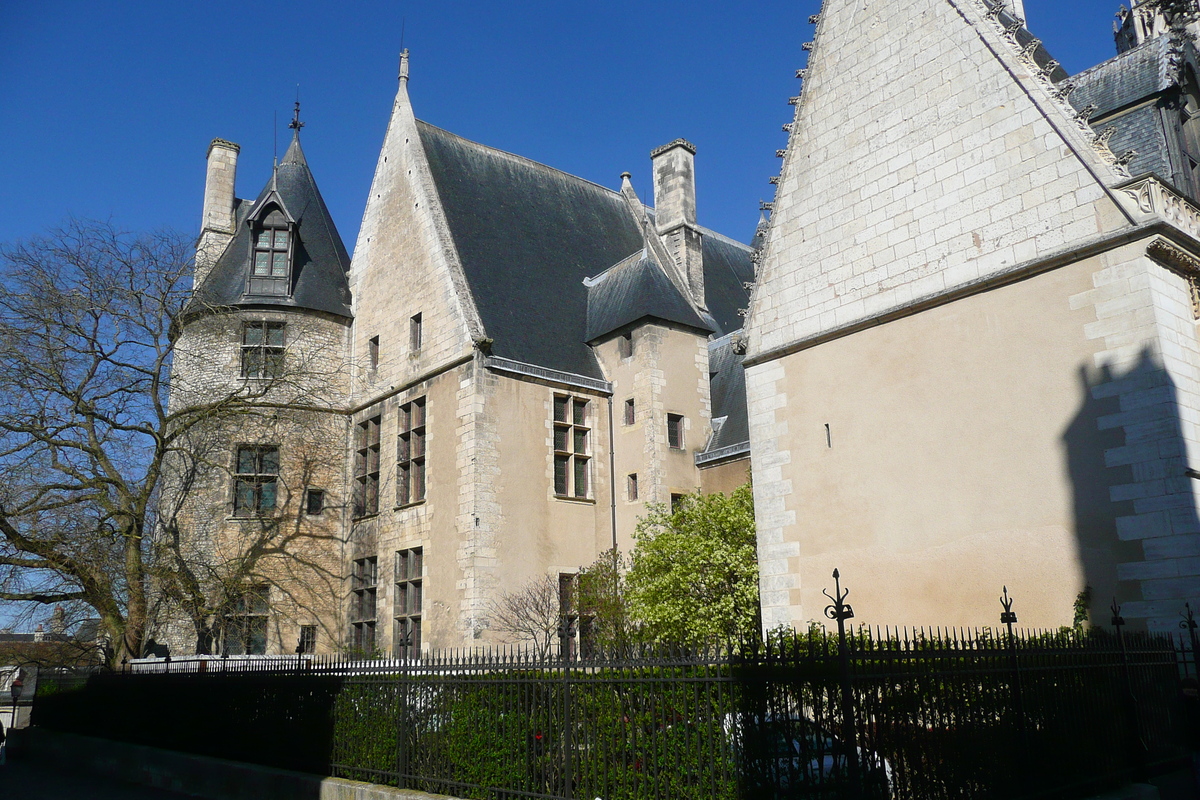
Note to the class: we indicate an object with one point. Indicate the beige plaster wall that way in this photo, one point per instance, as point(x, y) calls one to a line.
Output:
point(976, 445)
point(725, 477)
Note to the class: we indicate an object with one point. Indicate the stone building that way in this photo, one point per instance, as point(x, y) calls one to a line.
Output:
point(514, 363)
point(972, 350)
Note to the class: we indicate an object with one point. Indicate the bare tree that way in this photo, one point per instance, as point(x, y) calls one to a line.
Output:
point(530, 615)
point(93, 451)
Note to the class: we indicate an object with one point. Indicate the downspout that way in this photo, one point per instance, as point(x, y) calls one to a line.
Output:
point(612, 471)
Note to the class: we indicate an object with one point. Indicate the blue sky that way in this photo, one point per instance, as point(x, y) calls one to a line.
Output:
point(106, 109)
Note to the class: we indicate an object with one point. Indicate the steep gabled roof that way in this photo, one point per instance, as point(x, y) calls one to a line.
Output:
point(528, 236)
point(728, 391)
point(319, 262)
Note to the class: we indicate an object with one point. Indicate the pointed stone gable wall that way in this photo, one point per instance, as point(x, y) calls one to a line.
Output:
point(925, 156)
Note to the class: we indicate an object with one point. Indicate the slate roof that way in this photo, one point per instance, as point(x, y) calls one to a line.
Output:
point(528, 236)
point(1132, 76)
point(633, 290)
point(319, 262)
point(728, 392)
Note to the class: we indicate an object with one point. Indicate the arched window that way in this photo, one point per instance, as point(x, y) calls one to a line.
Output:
point(270, 270)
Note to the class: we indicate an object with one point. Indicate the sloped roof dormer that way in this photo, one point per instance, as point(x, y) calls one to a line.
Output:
point(317, 262)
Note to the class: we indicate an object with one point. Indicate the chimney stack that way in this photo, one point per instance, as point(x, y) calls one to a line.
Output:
point(675, 212)
point(217, 219)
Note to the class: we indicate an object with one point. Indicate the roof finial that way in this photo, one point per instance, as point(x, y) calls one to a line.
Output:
point(404, 65)
point(296, 124)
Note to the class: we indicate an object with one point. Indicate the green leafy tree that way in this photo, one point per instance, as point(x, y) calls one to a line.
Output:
point(693, 577)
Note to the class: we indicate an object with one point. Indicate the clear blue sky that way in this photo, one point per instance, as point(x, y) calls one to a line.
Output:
point(106, 109)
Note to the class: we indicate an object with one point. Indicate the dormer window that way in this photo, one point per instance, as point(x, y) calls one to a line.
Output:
point(270, 270)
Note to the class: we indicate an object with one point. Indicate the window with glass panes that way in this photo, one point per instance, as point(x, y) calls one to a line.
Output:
point(410, 453)
point(272, 244)
point(364, 580)
point(246, 623)
point(675, 431)
point(366, 467)
point(262, 349)
point(256, 480)
point(308, 639)
point(572, 446)
point(407, 609)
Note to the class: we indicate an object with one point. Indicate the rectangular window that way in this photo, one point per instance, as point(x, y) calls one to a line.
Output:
point(270, 273)
point(572, 446)
point(262, 349)
point(363, 587)
point(625, 345)
point(256, 480)
point(366, 467)
point(407, 611)
point(414, 333)
point(246, 623)
point(629, 412)
point(308, 640)
point(410, 453)
point(373, 352)
point(631, 486)
point(676, 502)
point(314, 501)
point(675, 431)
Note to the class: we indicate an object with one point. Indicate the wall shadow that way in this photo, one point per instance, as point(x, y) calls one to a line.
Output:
point(1132, 496)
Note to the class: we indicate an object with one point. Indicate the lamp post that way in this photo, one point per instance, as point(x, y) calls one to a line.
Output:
point(15, 690)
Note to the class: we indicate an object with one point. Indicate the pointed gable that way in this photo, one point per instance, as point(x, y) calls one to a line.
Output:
point(928, 153)
point(317, 278)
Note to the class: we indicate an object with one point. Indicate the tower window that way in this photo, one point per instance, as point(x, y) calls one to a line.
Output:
point(630, 416)
point(675, 431)
point(256, 480)
point(246, 623)
point(572, 446)
point(410, 453)
point(631, 486)
point(262, 349)
point(414, 333)
point(625, 345)
point(270, 270)
point(366, 468)
point(373, 352)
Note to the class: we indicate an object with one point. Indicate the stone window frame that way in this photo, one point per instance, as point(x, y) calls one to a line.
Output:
point(262, 358)
point(625, 345)
point(314, 501)
point(244, 625)
point(366, 466)
point(411, 485)
point(630, 414)
point(415, 333)
point(408, 601)
point(572, 447)
point(255, 479)
point(631, 486)
point(307, 643)
point(675, 432)
point(364, 603)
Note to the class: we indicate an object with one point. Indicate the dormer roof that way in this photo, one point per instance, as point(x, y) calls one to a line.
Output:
point(319, 260)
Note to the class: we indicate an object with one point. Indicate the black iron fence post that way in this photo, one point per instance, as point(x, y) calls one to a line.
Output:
point(1189, 624)
point(568, 736)
point(1137, 750)
point(1008, 618)
point(402, 696)
point(841, 611)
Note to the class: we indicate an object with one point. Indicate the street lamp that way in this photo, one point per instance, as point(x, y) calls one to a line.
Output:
point(17, 686)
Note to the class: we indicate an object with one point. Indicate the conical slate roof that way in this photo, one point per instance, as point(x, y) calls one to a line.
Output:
point(319, 259)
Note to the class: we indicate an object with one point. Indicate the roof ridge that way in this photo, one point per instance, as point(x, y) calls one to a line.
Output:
point(1157, 41)
point(515, 157)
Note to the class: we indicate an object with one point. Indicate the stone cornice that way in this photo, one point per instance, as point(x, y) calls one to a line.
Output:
point(1148, 196)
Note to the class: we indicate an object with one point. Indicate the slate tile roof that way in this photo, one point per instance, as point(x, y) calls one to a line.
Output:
point(319, 262)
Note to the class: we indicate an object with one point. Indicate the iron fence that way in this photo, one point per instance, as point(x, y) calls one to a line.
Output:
point(898, 714)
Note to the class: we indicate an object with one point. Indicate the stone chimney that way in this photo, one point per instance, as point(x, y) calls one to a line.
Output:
point(217, 219)
point(675, 212)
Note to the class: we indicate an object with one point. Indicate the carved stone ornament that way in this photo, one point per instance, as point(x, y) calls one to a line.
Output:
point(813, 19)
point(1181, 262)
point(1152, 197)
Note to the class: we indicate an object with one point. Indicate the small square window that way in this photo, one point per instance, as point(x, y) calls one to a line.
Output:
point(629, 412)
point(314, 501)
point(675, 431)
